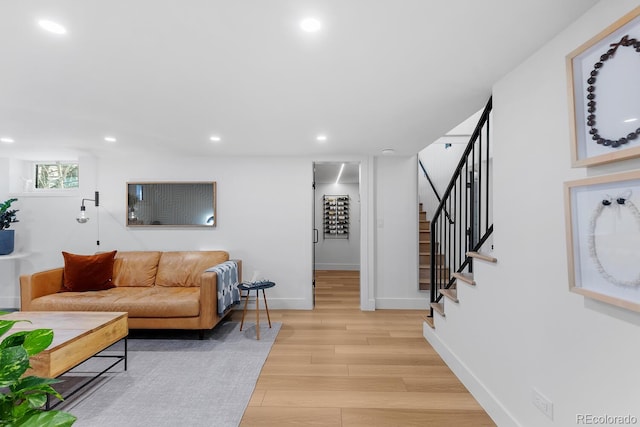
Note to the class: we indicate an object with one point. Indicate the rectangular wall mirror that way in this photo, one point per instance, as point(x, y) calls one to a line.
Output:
point(171, 204)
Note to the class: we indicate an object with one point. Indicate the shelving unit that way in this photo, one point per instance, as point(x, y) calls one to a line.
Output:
point(336, 216)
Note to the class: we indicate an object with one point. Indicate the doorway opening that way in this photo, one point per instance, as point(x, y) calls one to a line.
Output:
point(337, 240)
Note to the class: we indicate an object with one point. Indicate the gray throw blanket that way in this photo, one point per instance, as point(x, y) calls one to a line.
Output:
point(228, 293)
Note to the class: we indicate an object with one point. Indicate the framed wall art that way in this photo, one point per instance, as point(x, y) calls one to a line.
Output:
point(604, 94)
point(603, 238)
point(171, 204)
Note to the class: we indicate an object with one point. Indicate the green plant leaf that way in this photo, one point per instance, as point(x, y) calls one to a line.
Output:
point(38, 340)
point(36, 400)
point(30, 382)
point(15, 339)
point(14, 361)
point(5, 325)
point(46, 418)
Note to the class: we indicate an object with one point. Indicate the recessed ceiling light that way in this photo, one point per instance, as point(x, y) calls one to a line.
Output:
point(52, 27)
point(7, 140)
point(388, 151)
point(110, 139)
point(321, 138)
point(310, 25)
point(631, 120)
point(215, 138)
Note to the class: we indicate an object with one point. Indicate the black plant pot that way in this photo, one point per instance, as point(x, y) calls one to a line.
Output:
point(7, 240)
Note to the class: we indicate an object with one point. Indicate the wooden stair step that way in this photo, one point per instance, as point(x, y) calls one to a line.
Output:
point(425, 271)
point(438, 307)
point(425, 258)
point(424, 284)
point(429, 321)
point(483, 257)
point(450, 293)
point(465, 277)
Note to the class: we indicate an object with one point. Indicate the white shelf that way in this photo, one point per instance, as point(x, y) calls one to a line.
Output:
point(14, 255)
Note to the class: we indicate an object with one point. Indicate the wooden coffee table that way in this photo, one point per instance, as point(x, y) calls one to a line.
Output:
point(77, 336)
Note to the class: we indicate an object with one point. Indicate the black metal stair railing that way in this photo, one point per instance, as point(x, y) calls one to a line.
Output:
point(467, 199)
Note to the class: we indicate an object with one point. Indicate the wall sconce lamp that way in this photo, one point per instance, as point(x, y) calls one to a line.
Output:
point(83, 218)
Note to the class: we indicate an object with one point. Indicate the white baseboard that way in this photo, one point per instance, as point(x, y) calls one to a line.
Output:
point(276, 303)
point(401, 303)
point(10, 302)
point(487, 400)
point(328, 266)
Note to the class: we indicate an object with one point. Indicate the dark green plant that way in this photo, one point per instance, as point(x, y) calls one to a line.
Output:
point(22, 398)
point(7, 216)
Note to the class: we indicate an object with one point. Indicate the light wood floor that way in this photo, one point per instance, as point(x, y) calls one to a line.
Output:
point(339, 366)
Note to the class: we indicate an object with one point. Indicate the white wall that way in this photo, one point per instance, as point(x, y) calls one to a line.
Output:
point(520, 328)
point(265, 218)
point(338, 254)
point(397, 234)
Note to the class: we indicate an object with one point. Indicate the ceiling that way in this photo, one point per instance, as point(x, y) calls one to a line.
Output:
point(165, 75)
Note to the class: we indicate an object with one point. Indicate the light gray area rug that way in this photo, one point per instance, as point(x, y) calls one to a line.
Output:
point(174, 379)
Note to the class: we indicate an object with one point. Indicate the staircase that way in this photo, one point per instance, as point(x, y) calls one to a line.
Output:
point(424, 242)
point(460, 226)
point(451, 293)
point(424, 227)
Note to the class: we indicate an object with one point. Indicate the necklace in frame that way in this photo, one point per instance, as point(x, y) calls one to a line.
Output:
point(591, 96)
point(621, 201)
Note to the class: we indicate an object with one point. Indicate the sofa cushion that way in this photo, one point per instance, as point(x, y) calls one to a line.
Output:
point(184, 269)
point(137, 301)
point(135, 268)
point(87, 272)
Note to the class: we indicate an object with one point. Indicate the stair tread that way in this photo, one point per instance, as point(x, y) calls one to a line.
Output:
point(438, 307)
point(482, 256)
point(451, 293)
point(429, 321)
point(465, 277)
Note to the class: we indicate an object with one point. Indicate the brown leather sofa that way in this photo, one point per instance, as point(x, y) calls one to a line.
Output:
point(159, 290)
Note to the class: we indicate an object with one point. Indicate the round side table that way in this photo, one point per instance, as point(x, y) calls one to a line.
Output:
point(257, 286)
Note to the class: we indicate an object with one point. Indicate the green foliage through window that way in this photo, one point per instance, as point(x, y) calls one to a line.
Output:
point(57, 175)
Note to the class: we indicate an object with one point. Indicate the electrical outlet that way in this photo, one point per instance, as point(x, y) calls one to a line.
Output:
point(542, 403)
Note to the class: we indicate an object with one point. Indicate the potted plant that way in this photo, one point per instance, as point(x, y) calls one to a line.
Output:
point(7, 237)
point(22, 397)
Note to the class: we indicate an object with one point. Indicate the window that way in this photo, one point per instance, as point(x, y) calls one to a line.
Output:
point(56, 175)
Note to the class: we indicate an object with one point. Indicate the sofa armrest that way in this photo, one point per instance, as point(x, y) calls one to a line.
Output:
point(39, 284)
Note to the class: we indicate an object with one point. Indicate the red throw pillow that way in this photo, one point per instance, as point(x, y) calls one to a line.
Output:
point(88, 272)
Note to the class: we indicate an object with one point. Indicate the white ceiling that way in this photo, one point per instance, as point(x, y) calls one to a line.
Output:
point(164, 75)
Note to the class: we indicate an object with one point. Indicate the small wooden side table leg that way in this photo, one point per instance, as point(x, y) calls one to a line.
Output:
point(246, 300)
point(258, 314)
point(266, 307)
